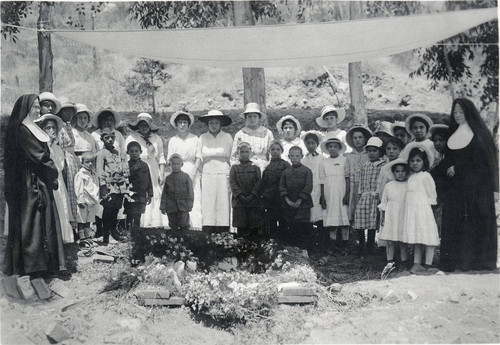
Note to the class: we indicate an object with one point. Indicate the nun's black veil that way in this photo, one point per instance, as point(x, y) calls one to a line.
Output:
point(481, 134)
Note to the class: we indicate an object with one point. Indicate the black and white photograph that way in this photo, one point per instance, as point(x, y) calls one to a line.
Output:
point(249, 172)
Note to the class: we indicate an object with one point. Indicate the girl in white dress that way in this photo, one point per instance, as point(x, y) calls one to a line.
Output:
point(184, 144)
point(335, 189)
point(420, 228)
point(418, 126)
point(51, 125)
point(392, 210)
point(84, 141)
point(152, 154)
point(289, 129)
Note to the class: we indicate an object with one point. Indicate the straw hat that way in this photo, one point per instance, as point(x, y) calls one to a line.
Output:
point(397, 161)
point(144, 117)
point(424, 118)
point(95, 118)
point(375, 142)
point(398, 124)
point(68, 105)
point(439, 128)
point(279, 124)
point(174, 116)
point(357, 128)
point(49, 96)
point(46, 117)
point(253, 108)
point(383, 127)
point(216, 114)
point(82, 108)
point(405, 154)
point(330, 109)
point(333, 140)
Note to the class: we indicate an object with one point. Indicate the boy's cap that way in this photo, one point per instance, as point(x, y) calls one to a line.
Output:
point(375, 142)
point(330, 109)
point(333, 140)
point(244, 144)
point(175, 155)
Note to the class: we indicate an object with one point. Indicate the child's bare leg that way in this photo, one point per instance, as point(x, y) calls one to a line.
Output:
point(389, 250)
point(429, 254)
point(417, 267)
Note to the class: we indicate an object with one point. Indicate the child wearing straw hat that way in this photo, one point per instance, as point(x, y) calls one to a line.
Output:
point(289, 129)
point(329, 119)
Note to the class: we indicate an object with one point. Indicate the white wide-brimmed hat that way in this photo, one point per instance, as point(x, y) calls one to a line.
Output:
point(405, 154)
point(319, 135)
point(216, 114)
point(253, 108)
point(174, 116)
point(340, 112)
point(423, 117)
point(279, 124)
point(68, 105)
point(49, 96)
point(134, 125)
point(398, 124)
point(333, 140)
point(383, 127)
point(397, 161)
point(357, 128)
point(95, 118)
point(439, 128)
point(375, 142)
point(46, 117)
point(82, 108)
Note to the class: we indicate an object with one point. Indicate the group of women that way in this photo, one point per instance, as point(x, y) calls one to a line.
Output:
point(35, 161)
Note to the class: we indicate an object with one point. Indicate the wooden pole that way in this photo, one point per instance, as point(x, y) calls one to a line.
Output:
point(450, 72)
point(358, 109)
point(94, 53)
point(45, 57)
point(254, 81)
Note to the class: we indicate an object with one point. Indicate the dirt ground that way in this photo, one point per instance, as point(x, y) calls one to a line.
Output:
point(435, 308)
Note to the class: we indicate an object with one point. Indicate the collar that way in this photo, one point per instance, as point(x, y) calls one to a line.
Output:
point(314, 154)
point(35, 130)
point(298, 165)
point(246, 162)
point(259, 130)
point(461, 137)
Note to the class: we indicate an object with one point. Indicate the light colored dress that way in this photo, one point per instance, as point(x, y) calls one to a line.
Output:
point(313, 163)
point(61, 196)
point(356, 160)
point(393, 203)
point(186, 148)
point(84, 142)
point(153, 155)
point(288, 144)
point(215, 153)
point(260, 140)
point(332, 173)
point(419, 223)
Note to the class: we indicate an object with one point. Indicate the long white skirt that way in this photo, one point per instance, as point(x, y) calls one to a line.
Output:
point(195, 214)
point(215, 202)
point(152, 217)
point(65, 216)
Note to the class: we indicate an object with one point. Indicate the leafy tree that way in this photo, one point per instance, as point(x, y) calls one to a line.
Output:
point(144, 81)
point(81, 10)
point(12, 13)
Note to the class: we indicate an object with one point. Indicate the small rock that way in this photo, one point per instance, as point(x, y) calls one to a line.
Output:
point(411, 295)
point(10, 286)
point(59, 288)
point(391, 297)
point(41, 288)
point(57, 332)
point(336, 287)
point(103, 258)
point(119, 337)
point(305, 254)
point(377, 294)
point(26, 289)
point(439, 273)
point(129, 323)
point(192, 265)
point(36, 336)
point(454, 298)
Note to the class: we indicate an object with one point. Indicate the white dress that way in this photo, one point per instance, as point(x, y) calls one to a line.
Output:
point(153, 156)
point(215, 153)
point(61, 196)
point(84, 142)
point(288, 144)
point(419, 223)
point(313, 163)
point(332, 173)
point(186, 148)
point(260, 140)
point(393, 203)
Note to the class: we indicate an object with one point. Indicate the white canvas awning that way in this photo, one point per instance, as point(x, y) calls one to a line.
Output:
point(312, 44)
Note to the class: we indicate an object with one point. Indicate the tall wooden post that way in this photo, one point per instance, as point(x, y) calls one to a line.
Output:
point(45, 81)
point(358, 109)
point(254, 82)
point(94, 53)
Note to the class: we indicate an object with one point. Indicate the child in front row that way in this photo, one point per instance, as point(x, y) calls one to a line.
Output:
point(392, 210)
point(420, 227)
point(296, 185)
point(141, 187)
point(244, 179)
point(177, 197)
point(365, 216)
point(87, 197)
point(335, 188)
point(269, 189)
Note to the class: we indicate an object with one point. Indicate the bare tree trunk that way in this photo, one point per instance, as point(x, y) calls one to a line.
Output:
point(94, 52)
point(45, 81)
point(358, 109)
point(153, 94)
point(450, 72)
point(254, 83)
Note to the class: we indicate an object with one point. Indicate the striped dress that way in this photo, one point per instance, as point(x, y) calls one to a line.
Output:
point(71, 165)
point(365, 216)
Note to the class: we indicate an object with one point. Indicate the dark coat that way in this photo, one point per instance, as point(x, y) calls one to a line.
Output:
point(140, 180)
point(244, 179)
point(178, 195)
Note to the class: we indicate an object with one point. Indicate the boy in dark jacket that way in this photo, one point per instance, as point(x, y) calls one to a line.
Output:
point(177, 197)
point(296, 185)
point(244, 179)
point(142, 187)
